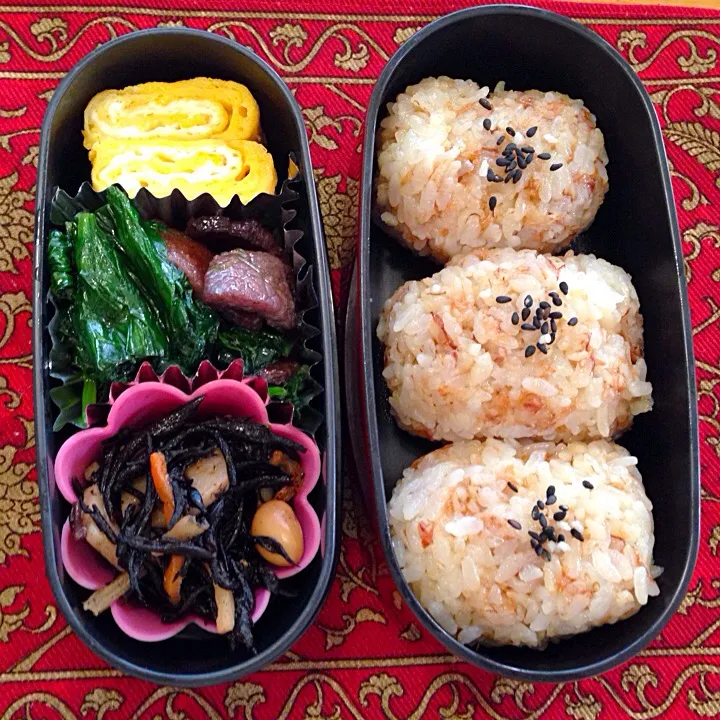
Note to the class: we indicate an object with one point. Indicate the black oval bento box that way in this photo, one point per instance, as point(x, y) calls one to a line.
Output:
point(636, 228)
point(193, 658)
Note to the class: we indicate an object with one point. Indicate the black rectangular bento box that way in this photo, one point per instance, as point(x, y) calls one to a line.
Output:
point(193, 657)
point(636, 228)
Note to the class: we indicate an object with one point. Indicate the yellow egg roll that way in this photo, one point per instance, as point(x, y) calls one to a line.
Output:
point(219, 167)
point(196, 109)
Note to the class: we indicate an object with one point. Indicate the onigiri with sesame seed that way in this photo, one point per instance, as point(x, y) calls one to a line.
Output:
point(441, 173)
point(458, 368)
point(453, 521)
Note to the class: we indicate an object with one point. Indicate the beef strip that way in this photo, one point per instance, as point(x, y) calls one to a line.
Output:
point(252, 282)
point(223, 234)
point(189, 256)
point(278, 373)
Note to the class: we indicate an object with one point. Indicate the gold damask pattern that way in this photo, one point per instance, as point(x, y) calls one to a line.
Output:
point(331, 63)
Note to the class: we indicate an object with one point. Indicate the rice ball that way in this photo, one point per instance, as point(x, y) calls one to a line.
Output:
point(460, 518)
point(457, 346)
point(436, 156)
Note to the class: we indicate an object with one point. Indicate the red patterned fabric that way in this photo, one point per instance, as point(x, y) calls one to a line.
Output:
point(366, 656)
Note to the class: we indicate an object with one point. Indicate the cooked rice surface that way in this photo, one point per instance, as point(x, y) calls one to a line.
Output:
point(480, 578)
point(433, 160)
point(455, 364)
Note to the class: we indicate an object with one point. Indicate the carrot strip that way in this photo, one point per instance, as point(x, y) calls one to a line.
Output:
point(172, 580)
point(161, 481)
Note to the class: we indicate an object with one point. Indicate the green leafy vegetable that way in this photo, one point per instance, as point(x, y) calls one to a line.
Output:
point(114, 327)
point(190, 325)
point(257, 348)
point(299, 390)
point(60, 260)
point(72, 399)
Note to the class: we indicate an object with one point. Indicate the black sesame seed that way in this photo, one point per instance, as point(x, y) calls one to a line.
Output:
point(492, 203)
point(522, 163)
point(536, 322)
point(490, 175)
point(552, 338)
point(485, 103)
point(528, 301)
point(511, 166)
point(512, 486)
point(541, 504)
point(551, 500)
point(502, 299)
point(550, 491)
point(525, 313)
point(502, 161)
point(550, 532)
point(531, 131)
point(517, 176)
point(544, 536)
point(527, 149)
point(555, 166)
point(507, 151)
point(498, 178)
point(564, 507)
point(553, 293)
point(510, 147)
point(529, 350)
point(509, 177)
point(588, 485)
point(546, 555)
point(559, 516)
point(515, 524)
point(557, 301)
point(577, 535)
point(515, 319)
point(500, 140)
point(553, 326)
point(542, 348)
point(529, 158)
point(535, 512)
point(556, 315)
point(510, 131)
point(534, 544)
point(544, 156)
point(487, 123)
point(564, 288)
point(539, 550)
point(544, 304)
point(572, 321)
point(544, 328)
point(533, 535)
point(561, 538)
point(528, 326)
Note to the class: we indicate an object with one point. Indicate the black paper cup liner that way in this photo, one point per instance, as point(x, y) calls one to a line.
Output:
point(274, 211)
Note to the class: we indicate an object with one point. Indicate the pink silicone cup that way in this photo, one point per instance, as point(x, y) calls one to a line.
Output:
point(142, 404)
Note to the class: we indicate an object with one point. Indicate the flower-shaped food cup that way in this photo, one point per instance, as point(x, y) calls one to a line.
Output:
point(142, 404)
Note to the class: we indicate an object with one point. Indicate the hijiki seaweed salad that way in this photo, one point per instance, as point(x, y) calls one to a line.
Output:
point(193, 514)
point(129, 289)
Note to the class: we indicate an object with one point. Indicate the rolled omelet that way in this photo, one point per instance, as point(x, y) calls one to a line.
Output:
point(222, 168)
point(197, 109)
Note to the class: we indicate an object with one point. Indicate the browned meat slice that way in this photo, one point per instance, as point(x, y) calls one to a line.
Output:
point(243, 319)
point(278, 373)
point(189, 256)
point(252, 282)
point(223, 234)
